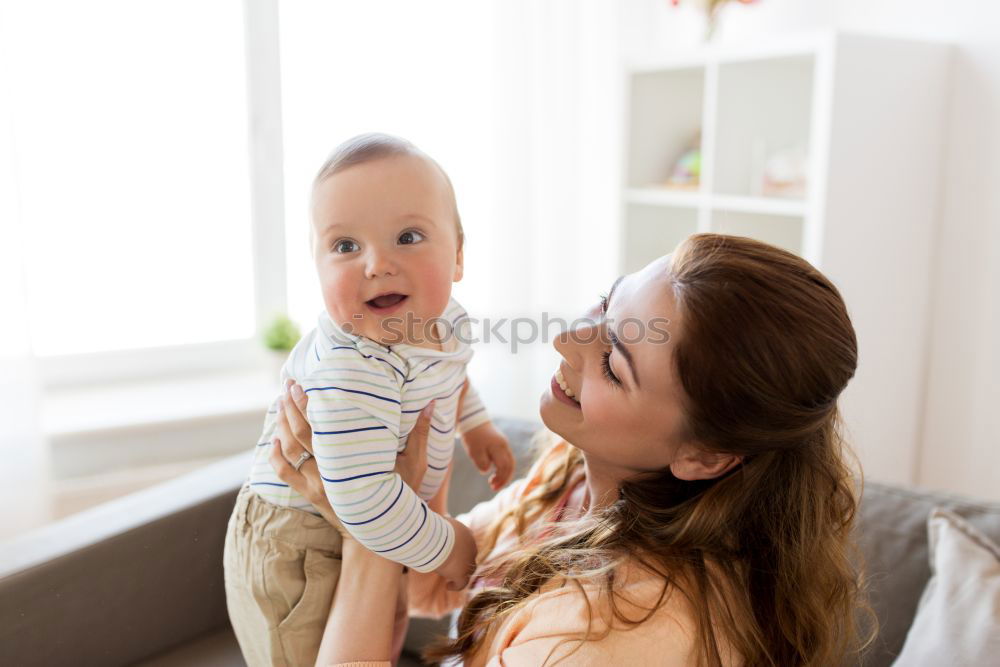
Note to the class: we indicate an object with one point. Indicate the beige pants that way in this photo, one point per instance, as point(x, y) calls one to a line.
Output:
point(281, 570)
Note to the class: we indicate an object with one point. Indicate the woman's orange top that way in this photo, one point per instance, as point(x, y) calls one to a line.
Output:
point(549, 624)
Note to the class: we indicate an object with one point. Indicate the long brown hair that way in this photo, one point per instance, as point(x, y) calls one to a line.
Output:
point(762, 554)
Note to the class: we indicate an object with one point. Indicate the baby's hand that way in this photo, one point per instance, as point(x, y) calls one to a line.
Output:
point(487, 447)
point(461, 562)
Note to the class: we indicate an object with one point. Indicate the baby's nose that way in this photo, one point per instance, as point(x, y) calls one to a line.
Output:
point(380, 263)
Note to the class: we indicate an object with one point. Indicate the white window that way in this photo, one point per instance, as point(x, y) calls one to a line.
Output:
point(420, 70)
point(132, 172)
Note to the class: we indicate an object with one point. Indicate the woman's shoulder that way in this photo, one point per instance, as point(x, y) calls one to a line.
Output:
point(641, 620)
point(636, 589)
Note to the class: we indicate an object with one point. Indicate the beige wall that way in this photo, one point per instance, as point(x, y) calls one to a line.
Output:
point(959, 444)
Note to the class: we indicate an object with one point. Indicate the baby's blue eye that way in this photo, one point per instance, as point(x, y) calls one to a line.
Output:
point(345, 246)
point(410, 237)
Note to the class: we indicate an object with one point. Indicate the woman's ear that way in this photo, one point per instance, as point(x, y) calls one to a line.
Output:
point(693, 463)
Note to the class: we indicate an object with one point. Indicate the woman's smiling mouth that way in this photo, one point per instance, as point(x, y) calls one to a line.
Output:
point(561, 390)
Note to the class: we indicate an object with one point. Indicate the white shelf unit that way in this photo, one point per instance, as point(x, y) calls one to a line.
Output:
point(868, 112)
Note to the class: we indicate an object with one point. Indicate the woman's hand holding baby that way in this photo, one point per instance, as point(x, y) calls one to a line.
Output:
point(411, 463)
point(294, 436)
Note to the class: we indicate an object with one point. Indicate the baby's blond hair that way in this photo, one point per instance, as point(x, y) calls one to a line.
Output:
point(374, 146)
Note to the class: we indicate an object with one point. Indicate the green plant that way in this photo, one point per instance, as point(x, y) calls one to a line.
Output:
point(281, 334)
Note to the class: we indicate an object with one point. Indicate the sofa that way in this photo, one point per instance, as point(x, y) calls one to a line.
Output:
point(139, 580)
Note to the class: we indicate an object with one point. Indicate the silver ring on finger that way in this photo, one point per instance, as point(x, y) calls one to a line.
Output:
point(305, 456)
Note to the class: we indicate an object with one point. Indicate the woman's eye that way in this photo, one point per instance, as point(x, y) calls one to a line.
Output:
point(345, 246)
point(604, 303)
point(606, 366)
point(410, 237)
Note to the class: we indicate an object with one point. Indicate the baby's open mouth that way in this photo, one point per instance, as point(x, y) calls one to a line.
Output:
point(384, 301)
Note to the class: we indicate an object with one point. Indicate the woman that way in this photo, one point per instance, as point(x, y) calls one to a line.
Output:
point(698, 508)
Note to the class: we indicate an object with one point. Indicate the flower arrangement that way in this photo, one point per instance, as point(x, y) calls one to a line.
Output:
point(712, 9)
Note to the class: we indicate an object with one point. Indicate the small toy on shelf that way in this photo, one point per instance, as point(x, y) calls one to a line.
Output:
point(686, 173)
point(785, 173)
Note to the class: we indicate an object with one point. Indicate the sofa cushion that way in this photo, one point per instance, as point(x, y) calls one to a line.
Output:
point(958, 620)
point(892, 535)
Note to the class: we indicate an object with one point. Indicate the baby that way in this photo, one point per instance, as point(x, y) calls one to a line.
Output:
point(387, 242)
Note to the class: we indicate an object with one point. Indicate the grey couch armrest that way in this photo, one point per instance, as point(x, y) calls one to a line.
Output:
point(124, 580)
point(129, 579)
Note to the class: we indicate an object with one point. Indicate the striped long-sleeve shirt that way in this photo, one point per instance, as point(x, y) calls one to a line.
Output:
point(364, 399)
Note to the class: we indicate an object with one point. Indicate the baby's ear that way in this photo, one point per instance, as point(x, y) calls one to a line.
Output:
point(459, 265)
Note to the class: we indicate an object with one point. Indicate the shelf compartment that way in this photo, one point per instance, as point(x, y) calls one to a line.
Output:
point(653, 231)
point(765, 205)
point(665, 116)
point(763, 107)
point(781, 230)
point(663, 197)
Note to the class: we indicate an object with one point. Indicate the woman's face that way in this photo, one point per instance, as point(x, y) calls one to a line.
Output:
point(626, 410)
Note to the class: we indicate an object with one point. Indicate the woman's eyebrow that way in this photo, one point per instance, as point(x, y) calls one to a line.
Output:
point(613, 286)
point(617, 344)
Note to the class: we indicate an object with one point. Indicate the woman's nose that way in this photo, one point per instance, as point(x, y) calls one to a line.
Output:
point(573, 342)
point(380, 263)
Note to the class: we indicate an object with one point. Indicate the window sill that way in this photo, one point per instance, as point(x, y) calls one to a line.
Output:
point(103, 428)
point(128, 405)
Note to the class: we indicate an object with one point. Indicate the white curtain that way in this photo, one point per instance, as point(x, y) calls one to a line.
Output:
point(25, 497)
point(553, 234)
point(520, 101)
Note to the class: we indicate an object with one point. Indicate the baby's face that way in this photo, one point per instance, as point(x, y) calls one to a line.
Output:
point(386, 248)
